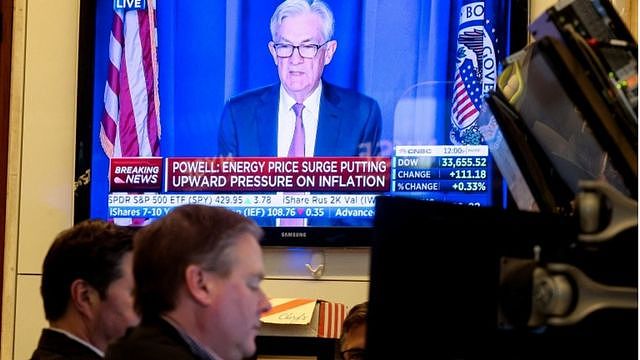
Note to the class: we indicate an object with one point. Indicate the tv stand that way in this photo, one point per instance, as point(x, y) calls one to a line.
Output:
point(320, 348)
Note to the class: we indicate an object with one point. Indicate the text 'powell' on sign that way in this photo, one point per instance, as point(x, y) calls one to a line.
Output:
point(129, 4)
point(277, 174)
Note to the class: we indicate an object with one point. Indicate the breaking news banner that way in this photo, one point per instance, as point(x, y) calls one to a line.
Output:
point(213, 174)
point(278, 174)
point(330, 187)
point(136, 174)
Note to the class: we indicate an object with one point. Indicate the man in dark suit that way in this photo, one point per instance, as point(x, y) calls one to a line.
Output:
point(326, 119)
point(198, 272)
point(87, 290)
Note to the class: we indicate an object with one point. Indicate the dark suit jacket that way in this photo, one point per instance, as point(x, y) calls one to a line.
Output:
point(153, 339)
point(56, 346)
point(349, 123)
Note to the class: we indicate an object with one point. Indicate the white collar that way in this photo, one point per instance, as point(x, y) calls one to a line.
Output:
point(74, 337)
point(311, 103)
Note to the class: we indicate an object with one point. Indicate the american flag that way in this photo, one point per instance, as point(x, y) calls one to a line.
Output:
point(479, 43)
point(466, 95)
point(130, 124)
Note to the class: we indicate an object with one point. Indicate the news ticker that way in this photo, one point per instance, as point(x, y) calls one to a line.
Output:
point(256, 206)
point(150, 205)
point(253, 212)
point(415, 168)
point(329, 187)
point(242, 200)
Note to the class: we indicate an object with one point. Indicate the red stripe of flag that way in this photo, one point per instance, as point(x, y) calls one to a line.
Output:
point(128, 132)
point(147, 60)
point(130, 123)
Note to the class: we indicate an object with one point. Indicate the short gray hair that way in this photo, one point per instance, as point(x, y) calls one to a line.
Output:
point(299, 7)
point(189, 234)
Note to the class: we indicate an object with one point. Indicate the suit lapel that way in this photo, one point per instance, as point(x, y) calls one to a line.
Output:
point(329, 124)
point(267, 122)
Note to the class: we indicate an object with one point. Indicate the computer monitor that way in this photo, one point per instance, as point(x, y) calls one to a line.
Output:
point(205, 52)
point(436, 293)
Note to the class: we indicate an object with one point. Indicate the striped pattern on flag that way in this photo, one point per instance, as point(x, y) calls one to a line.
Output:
point(466, 95)
point(330, 318)
point(130, 124)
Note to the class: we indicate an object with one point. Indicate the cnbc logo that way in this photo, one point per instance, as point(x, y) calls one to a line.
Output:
point(129, 4)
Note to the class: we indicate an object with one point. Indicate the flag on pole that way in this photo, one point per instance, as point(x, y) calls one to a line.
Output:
point(130, 124)
point(479, 44)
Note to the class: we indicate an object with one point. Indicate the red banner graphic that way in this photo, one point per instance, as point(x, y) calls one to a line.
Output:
point(345, 174)
point(135, 174)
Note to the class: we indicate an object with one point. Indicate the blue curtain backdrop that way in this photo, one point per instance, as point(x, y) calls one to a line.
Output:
point(402, 53)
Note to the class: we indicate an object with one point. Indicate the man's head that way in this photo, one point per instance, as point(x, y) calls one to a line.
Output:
point(87, 283)
point(301, 44)
point(354, 331)
point(202, 266)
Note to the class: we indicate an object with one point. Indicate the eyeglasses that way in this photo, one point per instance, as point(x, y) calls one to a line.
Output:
point(353, 354)
point(307, 51)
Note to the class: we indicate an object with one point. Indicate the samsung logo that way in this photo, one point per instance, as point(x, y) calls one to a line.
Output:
point(293, 234)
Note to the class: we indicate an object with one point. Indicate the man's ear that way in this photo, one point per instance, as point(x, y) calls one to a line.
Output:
point(331, 49)
point(199, 284)
point(272, 50)
point(84, 298)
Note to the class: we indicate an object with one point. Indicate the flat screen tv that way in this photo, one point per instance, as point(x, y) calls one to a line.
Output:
point(202, 53)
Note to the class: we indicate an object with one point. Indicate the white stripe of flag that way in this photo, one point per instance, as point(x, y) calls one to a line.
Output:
point(130, 124)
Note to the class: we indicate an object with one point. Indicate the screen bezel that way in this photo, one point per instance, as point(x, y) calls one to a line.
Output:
point(358, 236)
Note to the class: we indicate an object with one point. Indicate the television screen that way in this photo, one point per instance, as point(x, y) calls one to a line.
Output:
point(170, 90)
